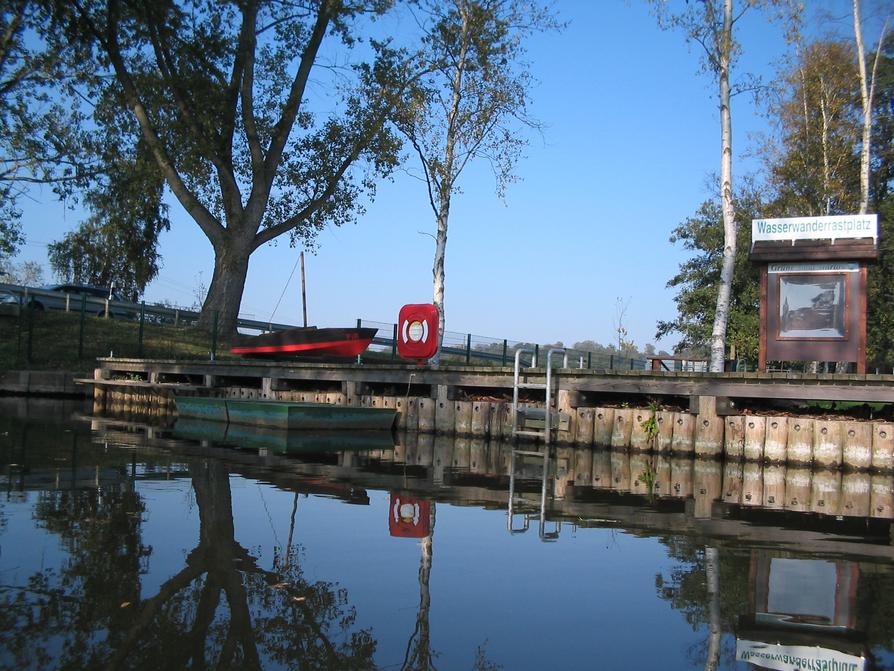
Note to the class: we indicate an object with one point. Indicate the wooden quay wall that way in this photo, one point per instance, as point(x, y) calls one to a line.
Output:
point(603, 408)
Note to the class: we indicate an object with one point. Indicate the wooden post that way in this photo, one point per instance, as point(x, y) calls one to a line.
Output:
point(797, 489)
point(827, 443)
point(855, 494)
point(883, 447)
point(755, 435)
point(826, 492)
point(857, 451)
point(639, 438)
point(732, 481)
point(665, 422)
point(881, 497)
point(603, 425)
point(752, 484)
point(602, 469)
point(426, 415)
point(620, 471)
point(775, 441)
point(622, 428)
point(774, 485)
point(799, 449)
point(681, 476)
point(480, 425)
point(708, 483)
point(683, 441)
point(584, 433)
point(708, 428)
point(583, 467)
point(463, 413)
point(734, 438)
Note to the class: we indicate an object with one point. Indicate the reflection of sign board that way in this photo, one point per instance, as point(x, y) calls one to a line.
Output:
point(815, 228)
point(409, 517)
point(795, 657)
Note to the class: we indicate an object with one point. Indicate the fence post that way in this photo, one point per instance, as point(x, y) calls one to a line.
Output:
point(468, 348)
point(631, 363)
point(503, 360)
point(589, 359)
point(611, 361)
point(20, 323)
point(536, 356)
point(358, 322)
point(214, 336)
point(394, 342)
point(83, 320)
point(142, 322)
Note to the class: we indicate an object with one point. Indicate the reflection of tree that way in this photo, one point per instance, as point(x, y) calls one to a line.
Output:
point(221, 609)
point(710, 587)
point(419, 655)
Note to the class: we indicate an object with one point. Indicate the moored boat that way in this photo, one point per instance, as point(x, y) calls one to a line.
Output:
point(309, 341)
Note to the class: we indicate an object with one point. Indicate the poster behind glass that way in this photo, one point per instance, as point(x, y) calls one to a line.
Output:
point(812, 306)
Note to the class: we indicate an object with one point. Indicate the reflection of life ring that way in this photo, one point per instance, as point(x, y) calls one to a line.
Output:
point(408, 517)
point(417, 331)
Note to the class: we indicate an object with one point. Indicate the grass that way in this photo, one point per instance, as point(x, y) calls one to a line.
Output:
point(62, 341)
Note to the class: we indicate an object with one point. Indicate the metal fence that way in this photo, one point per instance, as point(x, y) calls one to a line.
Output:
point(153, 330)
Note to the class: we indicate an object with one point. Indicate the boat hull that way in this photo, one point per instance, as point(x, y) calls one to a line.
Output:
point(302, 342)
point(283, 415)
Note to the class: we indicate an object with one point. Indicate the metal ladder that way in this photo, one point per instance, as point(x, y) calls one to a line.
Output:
point(520, 455)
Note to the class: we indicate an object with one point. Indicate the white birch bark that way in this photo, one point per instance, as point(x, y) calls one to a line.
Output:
point(867, 92)
point(721, 313)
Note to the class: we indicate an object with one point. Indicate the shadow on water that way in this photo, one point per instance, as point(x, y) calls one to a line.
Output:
point(773, 567)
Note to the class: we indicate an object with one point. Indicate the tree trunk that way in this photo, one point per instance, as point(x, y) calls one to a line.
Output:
point(715, 631)
point(227, 283)
point(437, 272)
point(866, 98)
point(721, 313)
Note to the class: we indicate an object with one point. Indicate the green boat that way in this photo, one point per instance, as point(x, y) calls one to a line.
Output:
point(284, 415)
point(279, 441)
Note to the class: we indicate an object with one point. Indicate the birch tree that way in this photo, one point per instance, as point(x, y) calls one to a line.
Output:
point(219, 93)
point(710, 24)
point(867, 92)
point(470, 102)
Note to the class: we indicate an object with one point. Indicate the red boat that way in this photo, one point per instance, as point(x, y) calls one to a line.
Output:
point(309, 341)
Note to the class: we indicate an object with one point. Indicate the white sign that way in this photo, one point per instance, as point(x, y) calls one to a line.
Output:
point(820, 267)
point(815, 228)
point(796, 657)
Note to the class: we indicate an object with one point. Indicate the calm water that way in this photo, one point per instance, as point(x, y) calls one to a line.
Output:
point(128, 546)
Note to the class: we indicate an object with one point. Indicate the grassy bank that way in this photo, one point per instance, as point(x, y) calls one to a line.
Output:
point(65, 341)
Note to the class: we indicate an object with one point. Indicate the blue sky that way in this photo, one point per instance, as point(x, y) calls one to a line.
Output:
point(631, 137)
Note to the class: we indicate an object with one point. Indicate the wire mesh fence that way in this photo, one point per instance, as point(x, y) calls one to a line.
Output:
point(46, 329)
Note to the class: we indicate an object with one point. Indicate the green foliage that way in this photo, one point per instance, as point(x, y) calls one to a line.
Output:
point(815, 169)
point(219, 94)
point(698, 279)
point(881, 274)
point(118, 244)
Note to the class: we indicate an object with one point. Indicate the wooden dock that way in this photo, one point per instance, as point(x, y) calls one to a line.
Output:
point(608, 408)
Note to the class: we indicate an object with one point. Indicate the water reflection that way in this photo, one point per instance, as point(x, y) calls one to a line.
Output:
point(807, 586)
